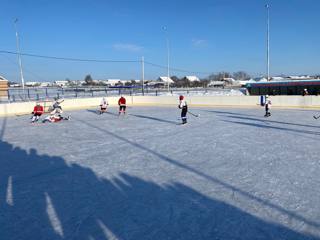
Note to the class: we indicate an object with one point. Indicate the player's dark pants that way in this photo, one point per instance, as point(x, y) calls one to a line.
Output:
point(184, 114)
point(122, 109)
point(267, 111)
point(36, 117)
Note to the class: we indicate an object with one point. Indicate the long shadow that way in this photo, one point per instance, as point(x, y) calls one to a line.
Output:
point(273, 121)
point(154, 119)
point(43, 197)
point(97, 112)
point(274, 127)
point(231, 113)
point(215, 180)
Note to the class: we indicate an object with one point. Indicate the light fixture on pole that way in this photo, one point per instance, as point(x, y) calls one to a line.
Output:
point(19, 55)
point(168, 57)
point(268, 42)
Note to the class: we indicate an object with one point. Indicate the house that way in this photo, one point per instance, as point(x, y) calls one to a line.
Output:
point(32, 84)
point(61, 83)
point(192, 78)
point(165, 80)
point(229, 81)
point(45, 84)
point(216, 84)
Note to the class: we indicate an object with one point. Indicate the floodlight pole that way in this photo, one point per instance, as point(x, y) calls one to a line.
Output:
point(168, 57)
point(19, 56)
point(142, 66)
point(268, 43)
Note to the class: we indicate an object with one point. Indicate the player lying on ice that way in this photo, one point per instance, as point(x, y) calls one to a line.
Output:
point(55, 118)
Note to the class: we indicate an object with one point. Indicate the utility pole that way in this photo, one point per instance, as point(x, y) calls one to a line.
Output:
point(19, 56)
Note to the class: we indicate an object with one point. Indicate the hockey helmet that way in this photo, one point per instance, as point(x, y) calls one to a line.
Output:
point(181, 97)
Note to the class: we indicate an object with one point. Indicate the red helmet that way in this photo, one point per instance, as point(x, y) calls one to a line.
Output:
point(181, 97)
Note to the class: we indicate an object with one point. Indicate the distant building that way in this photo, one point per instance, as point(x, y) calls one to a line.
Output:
point(277, 78)
point(165, 80)
point(192, 78)
point(3, 79)
point(61, 83)
point(45, 84)
point(229, 81)
point(32, 84)
point(260, 79)
point(302, 77)
point(243, 83)
point(216, 84)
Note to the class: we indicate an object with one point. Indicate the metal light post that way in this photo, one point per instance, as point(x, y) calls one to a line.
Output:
point(168, 56)
point(142, 65)
point(268, 43)
point(19, 55)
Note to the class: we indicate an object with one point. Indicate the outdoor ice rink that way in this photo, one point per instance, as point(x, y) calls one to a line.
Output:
point(229, 174)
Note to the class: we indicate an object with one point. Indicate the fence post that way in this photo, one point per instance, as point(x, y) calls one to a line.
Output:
point(156, 92)
point(91, 92)
point(28, 93)
point(38, 97)
point(47, 92)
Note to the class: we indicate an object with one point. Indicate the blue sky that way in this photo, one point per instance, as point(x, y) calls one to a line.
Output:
point(205, 36)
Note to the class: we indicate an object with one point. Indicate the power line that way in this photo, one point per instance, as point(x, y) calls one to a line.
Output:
point(175, 69)
point(26, 69)
point(70, 59)
point(103, 61)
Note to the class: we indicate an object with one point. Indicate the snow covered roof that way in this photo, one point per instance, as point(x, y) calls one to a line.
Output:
point(277, 78)
point(216, 83)
point(166, 79)
point(192, 78)
point(244, 82)
point(261, 79)
point(3, 79)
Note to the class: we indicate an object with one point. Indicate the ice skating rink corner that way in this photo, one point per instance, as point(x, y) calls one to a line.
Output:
point(228, 174)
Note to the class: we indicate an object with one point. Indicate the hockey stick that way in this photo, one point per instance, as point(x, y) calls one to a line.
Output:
point(316, 117)
point(195, 115)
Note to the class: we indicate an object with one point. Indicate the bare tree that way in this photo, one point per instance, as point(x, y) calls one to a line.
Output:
point(241, 75)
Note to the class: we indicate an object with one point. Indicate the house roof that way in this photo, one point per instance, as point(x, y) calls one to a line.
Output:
point(166, 79)
point(3, 79)
point(193, 78)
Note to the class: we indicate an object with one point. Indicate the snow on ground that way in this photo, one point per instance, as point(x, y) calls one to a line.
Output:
point(209, 92)
point(229, 174)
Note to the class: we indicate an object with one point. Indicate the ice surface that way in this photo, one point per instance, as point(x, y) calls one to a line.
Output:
point(229, 174)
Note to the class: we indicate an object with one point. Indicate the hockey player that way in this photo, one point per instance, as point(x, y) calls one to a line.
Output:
point(184, 109)
point(103, 105)
point(56, 106)
point(55, 118)
point(37, 112)
point(122, 105)
point(267, 106)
